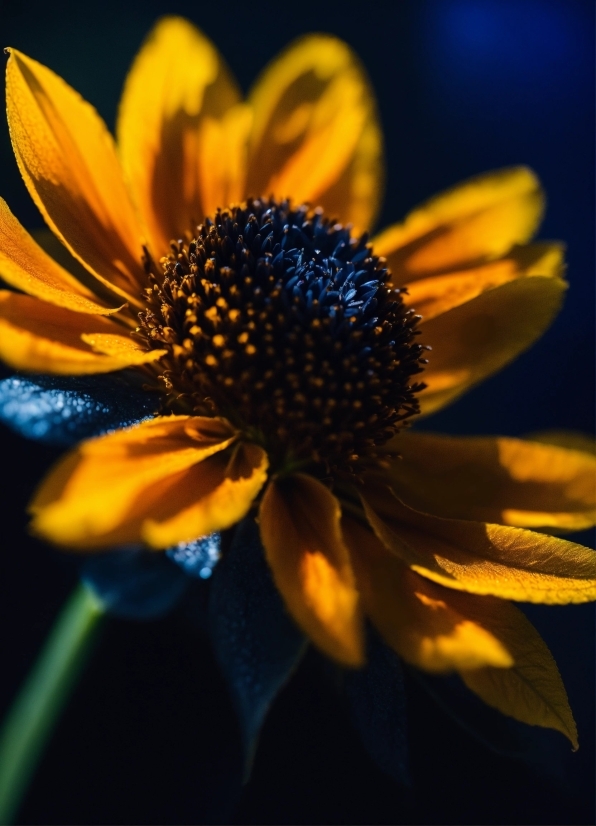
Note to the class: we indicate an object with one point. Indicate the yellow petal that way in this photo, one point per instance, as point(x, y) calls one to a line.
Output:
point(301, 533)
point(25, 266)
point(102, 493)
point(478, 220)
point(532, 691)
point(437, 294)
point(221, 156)
point(316, 136)
point(68, 161)
point(510, 563)
point(430, 627)
point(474, 340)
point(53, 247)
point(565, 438)
point(215, 495)
point(44, 338)
point(495, 479)
point(181, 131)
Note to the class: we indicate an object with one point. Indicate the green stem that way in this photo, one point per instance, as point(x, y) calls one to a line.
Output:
point(36, 709)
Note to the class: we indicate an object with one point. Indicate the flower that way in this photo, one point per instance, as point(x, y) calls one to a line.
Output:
point(287, 358)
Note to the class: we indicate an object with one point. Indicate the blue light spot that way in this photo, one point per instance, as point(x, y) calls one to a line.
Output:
point(483, 52)
point(197, 558)
point(527, 35)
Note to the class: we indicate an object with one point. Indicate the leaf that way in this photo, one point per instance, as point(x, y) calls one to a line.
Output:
point(63, 410)
point(255, 641)
point(378, 704)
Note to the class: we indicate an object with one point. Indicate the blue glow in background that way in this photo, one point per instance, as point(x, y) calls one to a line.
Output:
point(463, 86)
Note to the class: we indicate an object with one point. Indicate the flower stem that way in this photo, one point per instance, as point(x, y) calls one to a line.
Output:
point(36, 709)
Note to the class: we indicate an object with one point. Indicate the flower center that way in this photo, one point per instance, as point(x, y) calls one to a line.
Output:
point(283, 323)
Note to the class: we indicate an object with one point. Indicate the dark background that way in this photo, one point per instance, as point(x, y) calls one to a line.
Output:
point(463, 86)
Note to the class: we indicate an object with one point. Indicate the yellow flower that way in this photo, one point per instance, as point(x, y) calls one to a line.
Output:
point(286, 356)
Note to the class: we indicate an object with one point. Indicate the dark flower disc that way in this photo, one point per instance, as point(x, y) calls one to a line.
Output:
point(283, 323)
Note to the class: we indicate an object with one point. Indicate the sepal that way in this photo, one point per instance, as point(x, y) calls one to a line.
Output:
point(537, 748)
point(63, 410)
point(134, 584)
point(377, 701)
point(256, 643)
